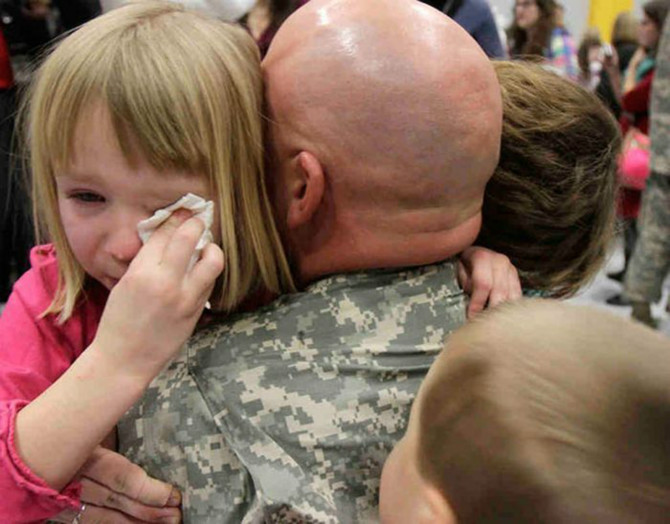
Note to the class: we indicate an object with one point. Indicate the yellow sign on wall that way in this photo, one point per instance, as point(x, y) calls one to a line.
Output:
point(604, 12)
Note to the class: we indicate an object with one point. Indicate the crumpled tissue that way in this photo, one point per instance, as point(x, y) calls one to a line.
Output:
point(202, 209)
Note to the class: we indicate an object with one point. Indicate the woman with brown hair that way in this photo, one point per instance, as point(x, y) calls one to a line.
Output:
point(535, 35)
point(624, 42)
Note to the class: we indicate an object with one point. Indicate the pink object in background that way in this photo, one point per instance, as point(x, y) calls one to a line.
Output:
point(634, 161)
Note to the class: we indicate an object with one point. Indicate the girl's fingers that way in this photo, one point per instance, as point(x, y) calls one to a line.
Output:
point(95, 515)
point(500, 291)
point(96, 495)
point(206, 270)
point(482, 283)
point(155, 247)
point(181, 246)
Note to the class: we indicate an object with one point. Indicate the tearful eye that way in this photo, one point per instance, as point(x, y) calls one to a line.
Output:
point(87, 197)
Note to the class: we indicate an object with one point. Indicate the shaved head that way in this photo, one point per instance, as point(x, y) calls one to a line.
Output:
point(398, 103)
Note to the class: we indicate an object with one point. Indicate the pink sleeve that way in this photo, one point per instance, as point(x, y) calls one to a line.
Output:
point(25, 496)
point(34, 352)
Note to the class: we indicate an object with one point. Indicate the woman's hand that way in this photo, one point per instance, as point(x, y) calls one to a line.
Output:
point(116, 490)
point(488, 277)
point(637, 58)
point(155, 306)
point(610, 61)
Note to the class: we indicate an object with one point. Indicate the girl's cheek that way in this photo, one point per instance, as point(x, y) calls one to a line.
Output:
point(80, 233)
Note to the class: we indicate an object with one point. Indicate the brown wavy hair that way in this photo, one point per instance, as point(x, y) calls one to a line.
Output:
point(523, 46)
point(550, 205)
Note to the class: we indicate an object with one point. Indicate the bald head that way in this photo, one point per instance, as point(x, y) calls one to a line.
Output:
point(397, 102)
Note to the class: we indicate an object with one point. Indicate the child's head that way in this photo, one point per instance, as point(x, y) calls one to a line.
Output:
point(538, 412)
point(127, 114)
point(589, 51)
point(550, 205)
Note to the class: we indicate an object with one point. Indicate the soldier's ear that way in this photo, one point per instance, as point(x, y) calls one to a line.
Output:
point(307, 189)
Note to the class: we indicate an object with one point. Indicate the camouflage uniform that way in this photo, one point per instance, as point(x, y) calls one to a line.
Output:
point(651, 259)
point(288, 413)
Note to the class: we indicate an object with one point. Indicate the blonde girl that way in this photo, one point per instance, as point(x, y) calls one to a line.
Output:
point(129, 113)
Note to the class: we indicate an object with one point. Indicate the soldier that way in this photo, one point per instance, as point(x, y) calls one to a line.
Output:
point(651, 258)
point(381, 153)
point(380, 160)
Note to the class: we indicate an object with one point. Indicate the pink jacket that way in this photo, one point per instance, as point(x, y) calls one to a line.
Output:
point(34, 352)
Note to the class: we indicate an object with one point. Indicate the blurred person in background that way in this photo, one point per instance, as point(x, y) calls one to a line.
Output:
point(535, 35)
point(266, 18)
point(25, 25)
point(14, 223)
point(73, 13)
point(559, 15)
point(633, 93)
point(589, 60)
point(650, 262)
point(476, 17)
point(624, 43)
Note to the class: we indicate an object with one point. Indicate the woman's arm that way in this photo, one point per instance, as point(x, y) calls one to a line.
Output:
point(630, 80)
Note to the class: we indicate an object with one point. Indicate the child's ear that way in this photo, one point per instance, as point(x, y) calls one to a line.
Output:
point(306, 191)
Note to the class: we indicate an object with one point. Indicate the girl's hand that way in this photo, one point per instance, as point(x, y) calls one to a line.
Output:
point(116, 490)
point(488, 277)
point(154, 308)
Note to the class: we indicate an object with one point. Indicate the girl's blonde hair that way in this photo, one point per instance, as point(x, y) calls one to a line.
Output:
point(186, 90)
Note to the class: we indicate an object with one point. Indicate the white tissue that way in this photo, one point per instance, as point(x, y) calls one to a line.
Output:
point(202, 209)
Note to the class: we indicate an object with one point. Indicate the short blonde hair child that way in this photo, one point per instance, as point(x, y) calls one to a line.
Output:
point(186, 90)
point(544, 412)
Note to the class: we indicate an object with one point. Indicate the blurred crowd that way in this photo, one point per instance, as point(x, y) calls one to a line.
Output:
point(620, 70)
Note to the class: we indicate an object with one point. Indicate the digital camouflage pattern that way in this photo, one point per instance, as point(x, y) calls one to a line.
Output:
point(660, 107)
point(288, 413)
point(651, 259)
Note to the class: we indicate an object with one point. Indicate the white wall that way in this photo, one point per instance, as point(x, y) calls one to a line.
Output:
point(576, 13)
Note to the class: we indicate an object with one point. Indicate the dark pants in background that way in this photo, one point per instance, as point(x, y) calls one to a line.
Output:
point(16, 237)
